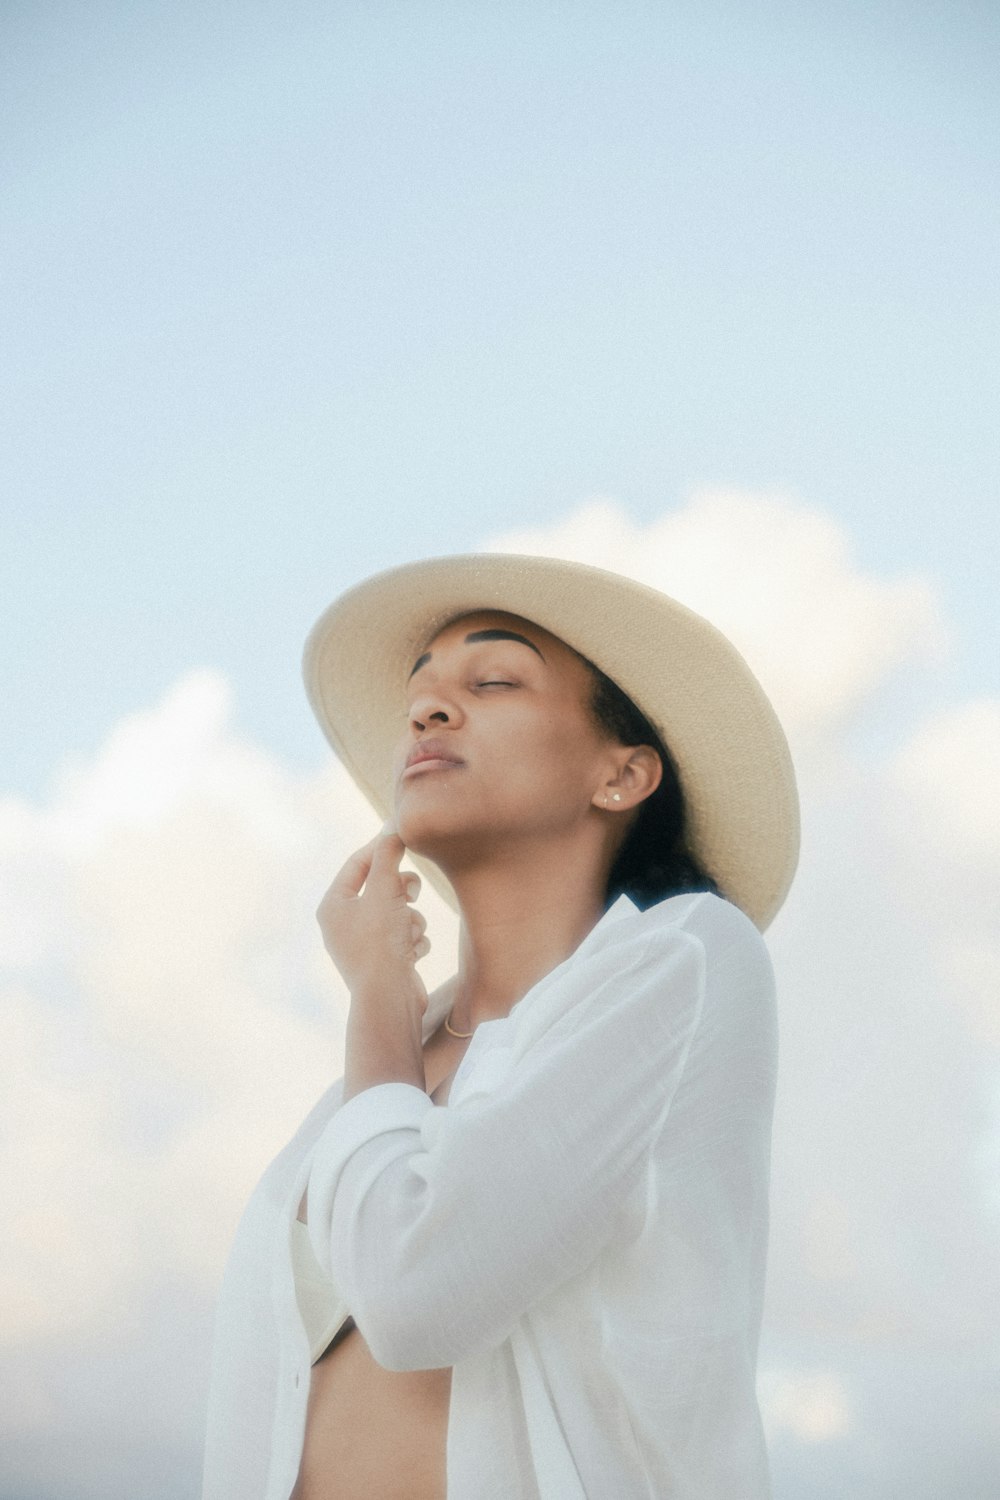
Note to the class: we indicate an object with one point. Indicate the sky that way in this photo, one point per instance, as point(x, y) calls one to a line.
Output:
point(705, 294)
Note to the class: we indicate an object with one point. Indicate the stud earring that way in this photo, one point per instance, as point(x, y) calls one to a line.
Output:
point(615, 797)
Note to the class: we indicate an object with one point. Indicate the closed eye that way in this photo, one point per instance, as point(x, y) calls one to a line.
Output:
point(495, 683)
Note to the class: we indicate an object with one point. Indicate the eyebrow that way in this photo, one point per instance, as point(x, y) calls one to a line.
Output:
point(482, 635)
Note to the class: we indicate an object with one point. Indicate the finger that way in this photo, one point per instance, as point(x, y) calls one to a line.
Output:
point(421, 949)
point(384, 873)
point(412, 882)
point(418, 925)
point(354, 872)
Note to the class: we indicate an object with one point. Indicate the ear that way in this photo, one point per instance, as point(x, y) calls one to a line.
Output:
point(634, 777)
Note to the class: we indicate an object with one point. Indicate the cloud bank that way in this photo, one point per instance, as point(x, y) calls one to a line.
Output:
point(168, 1014)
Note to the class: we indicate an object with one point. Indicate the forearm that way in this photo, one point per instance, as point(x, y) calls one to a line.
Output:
point(384, 1042)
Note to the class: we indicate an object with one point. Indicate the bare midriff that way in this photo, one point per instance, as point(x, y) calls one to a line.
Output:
point(372, 1433)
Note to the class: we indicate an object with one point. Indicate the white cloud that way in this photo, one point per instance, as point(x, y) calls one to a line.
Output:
point(65, 1245)
point(169, 1013)
point(949, 769)
point(814, 1405)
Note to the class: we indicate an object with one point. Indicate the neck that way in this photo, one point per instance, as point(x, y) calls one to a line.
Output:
point(520, 918)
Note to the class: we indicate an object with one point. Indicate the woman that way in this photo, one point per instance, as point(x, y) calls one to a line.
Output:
point(518, 1250)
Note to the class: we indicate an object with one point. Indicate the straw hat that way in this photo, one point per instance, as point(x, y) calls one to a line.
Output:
point(730, 751)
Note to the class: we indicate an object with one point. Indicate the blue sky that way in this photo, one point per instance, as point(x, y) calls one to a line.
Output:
point(292, 297)
point(706, 293)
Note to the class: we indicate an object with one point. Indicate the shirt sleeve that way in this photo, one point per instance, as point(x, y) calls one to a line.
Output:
point(442, 1224)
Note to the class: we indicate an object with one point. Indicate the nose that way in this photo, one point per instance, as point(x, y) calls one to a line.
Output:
point(433, 708)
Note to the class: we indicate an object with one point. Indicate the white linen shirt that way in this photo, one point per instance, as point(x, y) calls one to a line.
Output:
point(580, 1232)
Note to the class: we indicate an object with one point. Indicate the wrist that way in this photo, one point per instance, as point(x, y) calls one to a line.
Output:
point(390, 994)
point(384, 1037)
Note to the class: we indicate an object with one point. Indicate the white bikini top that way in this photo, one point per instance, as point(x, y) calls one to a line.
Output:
point(320, 1304)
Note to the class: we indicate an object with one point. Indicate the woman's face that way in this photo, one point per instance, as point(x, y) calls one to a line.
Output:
point(506, 705)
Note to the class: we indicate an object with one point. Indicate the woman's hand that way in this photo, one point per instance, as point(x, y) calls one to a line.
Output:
point(373, 934)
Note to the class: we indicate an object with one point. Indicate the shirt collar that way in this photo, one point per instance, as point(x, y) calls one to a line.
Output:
point(623, 907)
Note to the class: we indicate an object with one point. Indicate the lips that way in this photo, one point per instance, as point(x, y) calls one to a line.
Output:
point(433, 755)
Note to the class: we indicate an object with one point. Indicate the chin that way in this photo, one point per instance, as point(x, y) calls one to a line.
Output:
point(423, 836)
point(431, 837)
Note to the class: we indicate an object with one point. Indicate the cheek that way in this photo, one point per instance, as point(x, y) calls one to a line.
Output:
point(556, 758)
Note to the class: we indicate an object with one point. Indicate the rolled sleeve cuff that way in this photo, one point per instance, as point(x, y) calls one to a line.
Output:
point(379, 1110)
point(383, 1107)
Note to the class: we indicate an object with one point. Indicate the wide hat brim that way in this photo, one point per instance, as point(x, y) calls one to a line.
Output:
point(728, 747)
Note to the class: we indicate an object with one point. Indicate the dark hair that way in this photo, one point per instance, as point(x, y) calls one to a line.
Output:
point(653, 861)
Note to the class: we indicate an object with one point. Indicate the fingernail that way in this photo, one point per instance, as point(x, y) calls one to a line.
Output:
point(389, 826)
